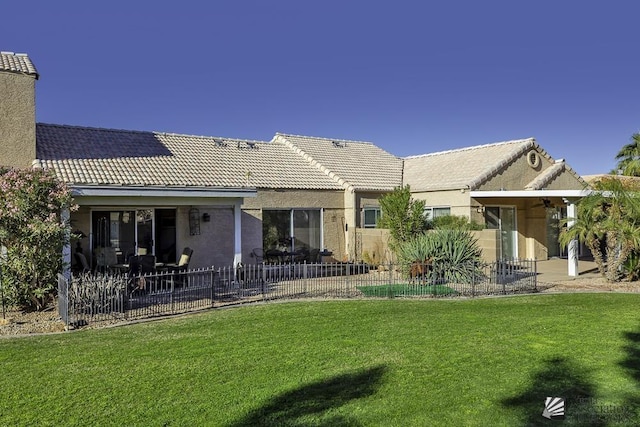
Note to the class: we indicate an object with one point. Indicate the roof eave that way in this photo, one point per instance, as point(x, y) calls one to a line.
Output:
point(134, 191)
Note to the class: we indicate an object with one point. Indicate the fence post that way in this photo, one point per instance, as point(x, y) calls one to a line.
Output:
point(391, 283)
point(304, 277)
point(173, 289)
point(63, 299)
point(535, 274)
point(474, 267)
point(213, 286)
point(263, 281)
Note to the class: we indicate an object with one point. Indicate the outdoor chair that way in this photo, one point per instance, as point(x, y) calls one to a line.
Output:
point(258, 254)
point(135, 281)
point(82, 266)
point(147, 264)
point(105, 257)
point(183, 263)
point(179, 270)
point(314, 256)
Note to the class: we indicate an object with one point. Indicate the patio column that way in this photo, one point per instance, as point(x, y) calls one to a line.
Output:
point(66, 249)
point(237, 233)
point(572, 259)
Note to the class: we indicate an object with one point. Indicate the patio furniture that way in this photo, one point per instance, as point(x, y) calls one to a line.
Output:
point(181, 267)
point(82, 266)
point(183, 263)
point(135, 282)
point(258, 254)
point(105, 257)
point(147, 264)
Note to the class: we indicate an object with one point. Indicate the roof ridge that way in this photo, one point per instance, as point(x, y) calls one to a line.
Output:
point(475, 147)
point(312, 161)
point(324, 138)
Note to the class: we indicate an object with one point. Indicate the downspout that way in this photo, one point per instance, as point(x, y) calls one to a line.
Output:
point(237, 233)
point(350, 220)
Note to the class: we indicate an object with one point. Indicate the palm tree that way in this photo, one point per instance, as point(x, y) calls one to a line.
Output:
point(587, 228)
point(629, 157)
point(611, 214)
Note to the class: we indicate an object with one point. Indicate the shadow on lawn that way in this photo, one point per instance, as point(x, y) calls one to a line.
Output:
point(312, 404)
point(560, 377)
point(631, 365)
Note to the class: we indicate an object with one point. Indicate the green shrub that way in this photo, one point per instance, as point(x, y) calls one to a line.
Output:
point(33, 231)
point(454, 253)
point(454, 222)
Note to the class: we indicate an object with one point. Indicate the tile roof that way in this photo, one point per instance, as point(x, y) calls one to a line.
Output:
point(93, 156)
point(17, 63)
point(357, 164)
point(547, 175)
point(462, 168)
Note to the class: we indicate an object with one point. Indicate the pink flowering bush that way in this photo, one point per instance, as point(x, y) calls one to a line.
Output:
point(33, 231)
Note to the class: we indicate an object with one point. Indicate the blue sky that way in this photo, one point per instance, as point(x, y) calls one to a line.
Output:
point(411, 76)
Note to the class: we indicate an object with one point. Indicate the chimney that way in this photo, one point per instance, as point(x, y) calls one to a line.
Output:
point(17, 110)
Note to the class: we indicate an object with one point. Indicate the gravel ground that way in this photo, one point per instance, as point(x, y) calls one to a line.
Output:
point(14, 322)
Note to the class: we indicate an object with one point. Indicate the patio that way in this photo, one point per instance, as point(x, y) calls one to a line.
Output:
point(556, 270)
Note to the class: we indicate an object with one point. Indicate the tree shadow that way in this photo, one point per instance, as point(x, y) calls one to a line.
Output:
point(314, 403)
point(560, 377)
point(631, 364)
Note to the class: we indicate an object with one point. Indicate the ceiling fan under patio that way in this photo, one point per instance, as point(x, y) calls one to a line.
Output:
point(544, 202)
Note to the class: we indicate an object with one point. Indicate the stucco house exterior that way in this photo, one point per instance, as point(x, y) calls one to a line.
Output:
point(515, 188)
point(230, 199)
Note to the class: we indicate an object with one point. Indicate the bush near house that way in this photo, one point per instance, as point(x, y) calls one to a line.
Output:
point(451, 251)
point(456, 222)
point(33, 232)
point(403, 216)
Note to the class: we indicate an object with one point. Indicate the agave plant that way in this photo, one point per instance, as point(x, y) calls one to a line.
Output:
point(454, 253)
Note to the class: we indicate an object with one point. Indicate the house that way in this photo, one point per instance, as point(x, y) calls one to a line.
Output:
point(515, 188)
point(231, 199)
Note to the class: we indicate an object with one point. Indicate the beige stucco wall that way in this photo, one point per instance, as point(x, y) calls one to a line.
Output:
point(373, 246)
point(458, 200)
point(214, 245)
point(516, 175)
point(17, 120)
point(489, 242)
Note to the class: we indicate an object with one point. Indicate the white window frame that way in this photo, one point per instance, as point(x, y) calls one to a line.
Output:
point(429, 210)
point(378, 215)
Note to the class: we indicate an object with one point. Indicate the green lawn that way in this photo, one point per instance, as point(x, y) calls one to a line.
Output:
point(385, 362)
point(396, 290)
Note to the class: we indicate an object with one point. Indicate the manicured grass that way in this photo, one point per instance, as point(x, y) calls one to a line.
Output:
point(395, 290)
point(383, 362)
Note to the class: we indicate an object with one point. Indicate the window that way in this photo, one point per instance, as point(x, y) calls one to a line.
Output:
point(371, 217)
point(431, 212)
point(292, 229)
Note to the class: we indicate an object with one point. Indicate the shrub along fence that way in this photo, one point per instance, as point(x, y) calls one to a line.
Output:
point(113, 298)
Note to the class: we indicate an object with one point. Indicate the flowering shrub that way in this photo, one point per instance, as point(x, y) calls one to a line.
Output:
point(33, 231)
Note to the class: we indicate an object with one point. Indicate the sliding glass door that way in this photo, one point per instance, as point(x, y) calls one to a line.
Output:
point(118, 234)
point(292, 229)
point(504, 219)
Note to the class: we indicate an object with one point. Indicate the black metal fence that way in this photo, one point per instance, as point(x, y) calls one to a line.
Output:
point(115, 298)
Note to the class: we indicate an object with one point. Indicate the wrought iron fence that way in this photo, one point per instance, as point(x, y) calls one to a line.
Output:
point(104, 297)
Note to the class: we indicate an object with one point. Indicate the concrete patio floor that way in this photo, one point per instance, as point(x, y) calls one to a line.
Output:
point(556, 270)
